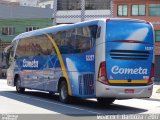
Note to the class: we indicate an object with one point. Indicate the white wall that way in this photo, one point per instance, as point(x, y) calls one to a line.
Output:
point(12, 0)
point(32, 3)
point(43, 4)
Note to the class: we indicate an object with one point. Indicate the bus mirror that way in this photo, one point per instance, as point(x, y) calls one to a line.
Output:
point(6, 54)
point(8, 58)
point(15, 57)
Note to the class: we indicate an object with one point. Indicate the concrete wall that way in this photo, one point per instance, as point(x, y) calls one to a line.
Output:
point(10, 12)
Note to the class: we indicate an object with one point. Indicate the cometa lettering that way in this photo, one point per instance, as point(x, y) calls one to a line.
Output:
point(118, 70)
point(31, 64)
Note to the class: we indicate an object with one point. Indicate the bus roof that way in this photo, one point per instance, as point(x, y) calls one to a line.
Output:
point(62, 27)
point(56, 28)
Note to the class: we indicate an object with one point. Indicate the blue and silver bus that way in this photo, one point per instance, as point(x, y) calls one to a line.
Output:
point(107, 59)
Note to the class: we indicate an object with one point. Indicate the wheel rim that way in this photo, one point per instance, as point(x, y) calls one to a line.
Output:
point(63, 92)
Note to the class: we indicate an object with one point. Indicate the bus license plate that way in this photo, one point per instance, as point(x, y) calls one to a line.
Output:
point(129, 90)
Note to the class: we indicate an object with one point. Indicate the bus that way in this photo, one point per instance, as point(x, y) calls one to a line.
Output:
point(106, 59)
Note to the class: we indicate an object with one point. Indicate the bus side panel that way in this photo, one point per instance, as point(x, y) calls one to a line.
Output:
point(80, 69)
point(44, 72)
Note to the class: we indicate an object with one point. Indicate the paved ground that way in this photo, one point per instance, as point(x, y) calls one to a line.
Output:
point(156, 95)
point(40, 104)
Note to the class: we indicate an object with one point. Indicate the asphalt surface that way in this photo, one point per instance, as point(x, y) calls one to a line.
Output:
point(39, 104)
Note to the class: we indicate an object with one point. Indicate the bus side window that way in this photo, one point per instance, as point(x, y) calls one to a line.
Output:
point(76, 40)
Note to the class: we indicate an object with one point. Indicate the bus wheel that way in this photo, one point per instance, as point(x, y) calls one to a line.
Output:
point(105, 101)
point(18, 86)
point(63, 92)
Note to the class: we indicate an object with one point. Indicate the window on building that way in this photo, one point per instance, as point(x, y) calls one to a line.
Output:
point(31, 28)
point(97, 4)
point(157, 35)
point(138, 10)
point(89, 4)
point(8, 30)
point(154, 9)
point(122, 10)
point(68, 5)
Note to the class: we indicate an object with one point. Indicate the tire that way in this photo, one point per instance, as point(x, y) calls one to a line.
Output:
point(63, 92)
point(19, 89)
point(105, 101)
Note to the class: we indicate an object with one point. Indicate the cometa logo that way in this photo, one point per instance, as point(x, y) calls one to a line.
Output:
point(32, 64)
point(118, 70)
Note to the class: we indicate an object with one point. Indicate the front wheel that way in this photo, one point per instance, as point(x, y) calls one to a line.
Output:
point(63, 92)
point(105, 101)
point(19, 89)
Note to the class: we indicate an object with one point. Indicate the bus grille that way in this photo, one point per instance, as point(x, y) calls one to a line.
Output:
point(86, 84)
point(129, 54)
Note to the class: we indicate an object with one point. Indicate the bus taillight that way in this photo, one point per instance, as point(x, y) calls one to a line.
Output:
point(151, 78)
point(102, 77)
point(108, 19)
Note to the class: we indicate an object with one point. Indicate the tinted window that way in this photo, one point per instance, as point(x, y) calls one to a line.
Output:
point(89, 4)
point(35, 46)
point(76, 40)
point(97, 4)
point(25, 48)
point(68, 4)
point(42, 45)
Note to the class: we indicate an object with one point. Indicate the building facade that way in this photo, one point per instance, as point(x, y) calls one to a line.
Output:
point(31, 3)
point(11, 0)
point(17, 19)
point(45, 4)
point(148, 10)
point(37, 3)
point(8, 2)
point(72, 11)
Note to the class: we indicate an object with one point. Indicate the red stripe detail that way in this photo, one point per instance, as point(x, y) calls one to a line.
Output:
point(130, 41)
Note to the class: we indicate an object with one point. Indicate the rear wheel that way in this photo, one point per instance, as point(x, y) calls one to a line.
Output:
point(19, 89)
point(105, 101)
point(63, 92)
